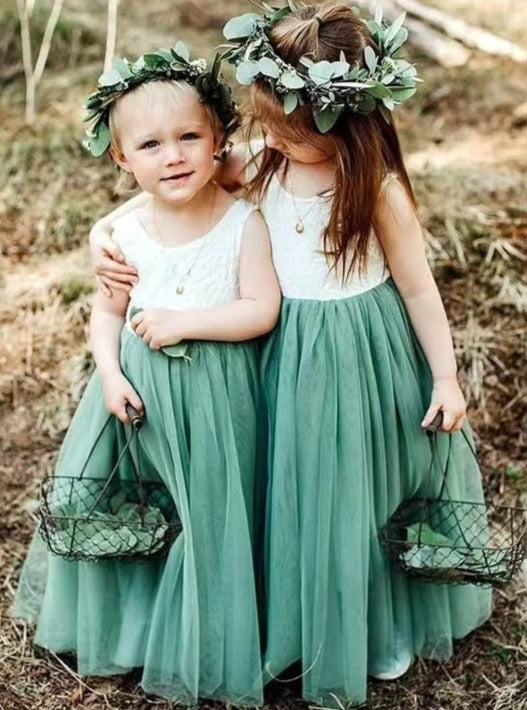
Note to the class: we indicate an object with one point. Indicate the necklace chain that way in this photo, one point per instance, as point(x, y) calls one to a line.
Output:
point(181, 280)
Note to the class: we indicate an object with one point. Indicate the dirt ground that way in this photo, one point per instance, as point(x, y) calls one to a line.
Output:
point(466, 145)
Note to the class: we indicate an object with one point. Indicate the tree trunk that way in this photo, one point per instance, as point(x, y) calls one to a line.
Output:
point(111, 34)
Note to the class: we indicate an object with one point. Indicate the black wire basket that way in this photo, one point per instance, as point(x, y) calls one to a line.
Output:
point(454, 541)
point(112, 517)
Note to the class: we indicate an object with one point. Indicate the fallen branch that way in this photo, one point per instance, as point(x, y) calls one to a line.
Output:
point(444, 50)
point(460, 30)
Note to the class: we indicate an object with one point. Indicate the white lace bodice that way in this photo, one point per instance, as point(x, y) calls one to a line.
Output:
point(206, 268)
point(299, 260)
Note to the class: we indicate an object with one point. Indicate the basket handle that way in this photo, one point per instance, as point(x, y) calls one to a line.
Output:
point(432, 430)
point(136, 418)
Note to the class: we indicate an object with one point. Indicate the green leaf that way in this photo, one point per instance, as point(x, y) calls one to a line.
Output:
point(129, 512)
point(401, 95)
point(402, 66)
point(247, 72)
point(306, 61)
point(394, 29)
point(340, 68)
point(379, 91)
point(116, 501)
point(152, 61)
point(422, 532)
point(290, 102)
point(388, 78)
point(291, 80)
point(241, 26)
point(326, 119)
point(110, 78)
point(99, 142)
point(399, 39)
point(370, 59)
point(182, 50)
point(378, 12)
point(388, 102)
point(321, 72)
point(376, 31)
point(367, 103)
point(276, 16)
point(166, 54)
point(178, 350)
point(123, 67)
point(268, 67)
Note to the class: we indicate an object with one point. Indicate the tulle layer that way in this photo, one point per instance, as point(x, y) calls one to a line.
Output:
point(347, 386)
point(189, 619)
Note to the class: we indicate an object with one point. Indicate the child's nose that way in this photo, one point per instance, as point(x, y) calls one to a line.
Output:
point(174, 154)
point(272, 142)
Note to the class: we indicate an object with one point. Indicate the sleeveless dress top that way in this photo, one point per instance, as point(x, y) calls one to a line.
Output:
point(302, 268)
point(202, 273)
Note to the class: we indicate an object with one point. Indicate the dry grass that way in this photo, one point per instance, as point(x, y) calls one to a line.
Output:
point(468, 161)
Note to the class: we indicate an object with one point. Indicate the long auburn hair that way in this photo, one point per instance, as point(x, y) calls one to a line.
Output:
point(365, 147)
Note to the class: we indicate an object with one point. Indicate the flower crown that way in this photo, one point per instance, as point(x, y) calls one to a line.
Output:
point(162, 64)
point(383, 82)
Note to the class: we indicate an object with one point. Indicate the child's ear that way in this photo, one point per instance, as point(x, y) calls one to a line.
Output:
point(119, 159)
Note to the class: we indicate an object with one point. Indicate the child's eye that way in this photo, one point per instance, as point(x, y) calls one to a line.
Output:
point(150, 144)
point(189, 137)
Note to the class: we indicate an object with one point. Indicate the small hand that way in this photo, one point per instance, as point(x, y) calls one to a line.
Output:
point(447, 398)
point(109, 265)
point(158, 327)
point(117, 393)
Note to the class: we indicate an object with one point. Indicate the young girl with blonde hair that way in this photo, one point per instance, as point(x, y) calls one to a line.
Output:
point(361, 360)
point(206, 281)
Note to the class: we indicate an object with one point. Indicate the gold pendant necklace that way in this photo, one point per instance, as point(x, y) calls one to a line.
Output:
point(299, 226)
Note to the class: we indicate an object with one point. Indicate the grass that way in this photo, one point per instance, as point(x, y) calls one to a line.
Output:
point(468, 162)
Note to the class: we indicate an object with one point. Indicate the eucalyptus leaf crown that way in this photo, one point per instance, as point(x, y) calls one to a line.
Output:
point(162, 64)
point(383, 81)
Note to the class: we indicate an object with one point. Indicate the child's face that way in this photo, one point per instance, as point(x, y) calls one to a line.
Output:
point(169, 151)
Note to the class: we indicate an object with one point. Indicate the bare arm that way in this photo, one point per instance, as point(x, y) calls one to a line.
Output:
point(398, 229)
point(108, 262)
point(106, 323)
point(253, 314)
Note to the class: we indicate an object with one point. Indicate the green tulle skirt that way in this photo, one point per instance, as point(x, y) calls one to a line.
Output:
point(189, 619)
point(347, 386)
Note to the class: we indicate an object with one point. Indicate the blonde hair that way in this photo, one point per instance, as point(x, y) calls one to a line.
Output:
point(366, 147)
point(168, 91)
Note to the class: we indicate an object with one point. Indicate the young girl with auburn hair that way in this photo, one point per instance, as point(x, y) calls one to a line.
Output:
point(362, 358)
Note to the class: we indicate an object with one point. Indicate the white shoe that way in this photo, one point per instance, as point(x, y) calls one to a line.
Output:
point(397, 671)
